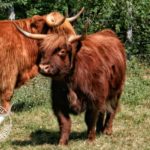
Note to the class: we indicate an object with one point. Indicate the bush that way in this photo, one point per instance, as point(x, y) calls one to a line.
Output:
point(118, 15)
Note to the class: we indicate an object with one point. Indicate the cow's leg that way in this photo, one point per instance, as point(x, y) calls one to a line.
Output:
point(74, 102)
point(61, 109)
point(6, 89)
point(91, 117)
point(65, 127)
point(108, 123)
point(5, 97)
point(110, 115)
point(72, 98)
point(100, 122)
point(7, 92)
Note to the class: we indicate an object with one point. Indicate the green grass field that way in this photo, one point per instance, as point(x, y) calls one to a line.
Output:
point(35, 127)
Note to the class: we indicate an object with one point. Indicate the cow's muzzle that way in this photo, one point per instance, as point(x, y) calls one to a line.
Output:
point(44, 69)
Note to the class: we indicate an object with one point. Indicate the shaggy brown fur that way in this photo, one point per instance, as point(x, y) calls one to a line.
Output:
point(19, 54)
point(94, 83)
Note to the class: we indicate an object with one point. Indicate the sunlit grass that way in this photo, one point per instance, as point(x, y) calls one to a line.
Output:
point(35, 126)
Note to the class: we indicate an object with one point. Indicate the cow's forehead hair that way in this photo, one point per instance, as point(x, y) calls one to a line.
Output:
point(53, 41)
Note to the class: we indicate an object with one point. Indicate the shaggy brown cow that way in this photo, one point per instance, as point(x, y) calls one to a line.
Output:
point(88, 73)
point(19, 54)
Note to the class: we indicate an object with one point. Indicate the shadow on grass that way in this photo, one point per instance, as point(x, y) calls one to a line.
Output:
point(24, 106)
point(41, 137)
point(19, 107)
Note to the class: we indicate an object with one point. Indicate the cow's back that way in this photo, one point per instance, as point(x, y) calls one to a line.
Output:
point(101, 65)
point(108, 48)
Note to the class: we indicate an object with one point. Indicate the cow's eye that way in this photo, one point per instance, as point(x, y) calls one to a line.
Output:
point(62, 53)
point(57, 49)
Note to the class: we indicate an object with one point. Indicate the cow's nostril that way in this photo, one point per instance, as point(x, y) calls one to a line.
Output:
point(44, 68)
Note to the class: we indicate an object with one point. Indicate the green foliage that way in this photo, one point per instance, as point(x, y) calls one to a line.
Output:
point(6, 4)
point(41, 94)
point(138, 83)
point(119, 15)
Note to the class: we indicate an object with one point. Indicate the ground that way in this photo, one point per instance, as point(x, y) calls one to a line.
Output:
point(34, 127)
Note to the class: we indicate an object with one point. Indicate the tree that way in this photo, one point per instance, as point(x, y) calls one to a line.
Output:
point(120, 15)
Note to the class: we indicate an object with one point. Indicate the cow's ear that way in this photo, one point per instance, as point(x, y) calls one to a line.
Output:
point(78, 45)
point(37, 23)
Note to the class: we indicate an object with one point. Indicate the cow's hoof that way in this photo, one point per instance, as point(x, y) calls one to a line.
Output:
point(107, 131)
point(61, 142)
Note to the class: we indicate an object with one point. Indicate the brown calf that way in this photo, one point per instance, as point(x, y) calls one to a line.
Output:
point(88, 73)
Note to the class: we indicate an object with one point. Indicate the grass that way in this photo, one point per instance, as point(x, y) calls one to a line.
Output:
point(35, 127)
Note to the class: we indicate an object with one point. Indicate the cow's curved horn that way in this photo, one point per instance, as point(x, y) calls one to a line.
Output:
point(30, 35)
point(74, 38)
point(51, 21)
point(70, 19)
